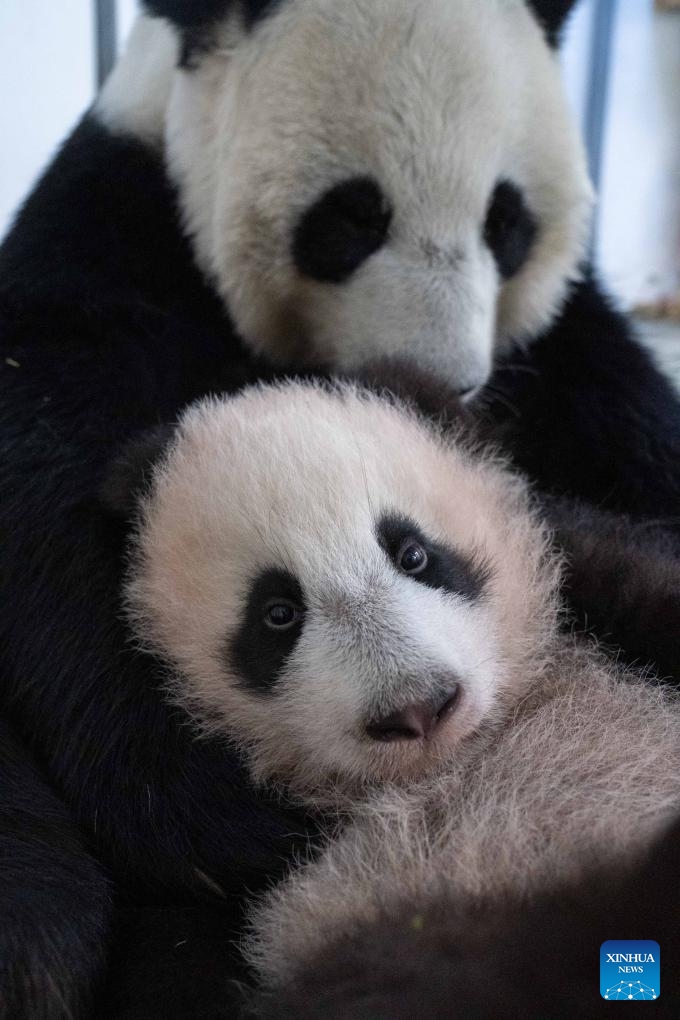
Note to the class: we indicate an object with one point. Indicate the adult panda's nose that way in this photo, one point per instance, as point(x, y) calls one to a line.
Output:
point(415, 722)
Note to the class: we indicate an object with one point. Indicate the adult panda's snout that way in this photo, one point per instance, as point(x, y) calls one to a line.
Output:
point(416, 721)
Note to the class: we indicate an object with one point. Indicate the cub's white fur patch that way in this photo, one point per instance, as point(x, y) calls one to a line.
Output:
point(296, 477)
point(438, 102)
point(586, 772)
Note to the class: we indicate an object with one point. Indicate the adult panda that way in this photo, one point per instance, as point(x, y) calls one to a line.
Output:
point(108, 325)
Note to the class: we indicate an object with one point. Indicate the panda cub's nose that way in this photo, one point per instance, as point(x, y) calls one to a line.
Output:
point(415, 722)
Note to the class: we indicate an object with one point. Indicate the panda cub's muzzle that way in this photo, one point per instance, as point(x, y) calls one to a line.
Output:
point(418, 720)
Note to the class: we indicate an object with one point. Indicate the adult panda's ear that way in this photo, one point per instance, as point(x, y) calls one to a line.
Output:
point(552, 15)
point(129, 475)
point(189, 15)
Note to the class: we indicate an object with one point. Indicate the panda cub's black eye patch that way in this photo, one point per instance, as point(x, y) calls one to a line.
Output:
point(431, 563)
point(341, 230)
point(510, 229)
point(271, 624)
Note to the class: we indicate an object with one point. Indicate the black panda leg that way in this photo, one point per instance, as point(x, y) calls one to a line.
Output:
point(54, 900)
point(586, 412)
point(622, 583)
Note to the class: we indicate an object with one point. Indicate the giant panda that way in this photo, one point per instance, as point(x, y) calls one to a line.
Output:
point(388, 650)
point(111, 320)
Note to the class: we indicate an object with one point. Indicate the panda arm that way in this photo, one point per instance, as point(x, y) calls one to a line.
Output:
point(584, 411)
point(54, 898)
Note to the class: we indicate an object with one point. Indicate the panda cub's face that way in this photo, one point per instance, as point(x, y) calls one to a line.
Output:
point(338, 590)
point(378, 177)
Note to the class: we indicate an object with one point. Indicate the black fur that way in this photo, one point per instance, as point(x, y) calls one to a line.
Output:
point(106, 329)
point(552, 15)
point(510, 229)
point(175, 961)
point(257, 653)
point(341, 230)
point(54, 899)
point(128, 478)
point(448, 958)
point(198, 19)
point(446, 568)
point(191, 14)
point(622, 583)
point(585, 412)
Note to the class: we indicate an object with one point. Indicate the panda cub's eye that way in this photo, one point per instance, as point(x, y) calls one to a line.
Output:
point(281, 615)
point(412, 558)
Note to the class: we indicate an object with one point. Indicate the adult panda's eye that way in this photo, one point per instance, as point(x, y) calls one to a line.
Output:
point(510, 229)
point(412, 558)
point(281, 615)
point(349, 223)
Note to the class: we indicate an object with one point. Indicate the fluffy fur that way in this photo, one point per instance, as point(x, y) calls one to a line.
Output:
point(268, 122)
point(242, 489)
point(584, 773)
point(554, 760)
point(107, 328)
point(456, 956)
point(54, 898)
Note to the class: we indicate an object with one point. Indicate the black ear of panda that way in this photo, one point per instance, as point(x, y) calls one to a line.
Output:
point(552, 15)
point(129, 475)
point(195, 14)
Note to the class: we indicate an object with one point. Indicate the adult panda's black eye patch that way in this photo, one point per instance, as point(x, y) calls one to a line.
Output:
point(258, 651)
point(444, 568)
point(510, 229)
point(341, 230)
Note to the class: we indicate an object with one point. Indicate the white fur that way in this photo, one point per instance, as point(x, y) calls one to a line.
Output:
point(296, 477)
point(437, 101)
point(135, 97)
point(553, 762)
point(584, 774)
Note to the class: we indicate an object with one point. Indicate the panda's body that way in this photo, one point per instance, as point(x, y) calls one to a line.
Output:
point(108, 327)
point(391, 648)
point(454, 955)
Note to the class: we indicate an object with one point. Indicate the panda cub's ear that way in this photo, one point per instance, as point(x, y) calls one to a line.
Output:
point(196, 14)
point(552, 15)
point(129, 476)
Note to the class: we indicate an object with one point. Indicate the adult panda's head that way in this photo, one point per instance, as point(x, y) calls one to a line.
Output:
point(378, 177)
point(338, 589)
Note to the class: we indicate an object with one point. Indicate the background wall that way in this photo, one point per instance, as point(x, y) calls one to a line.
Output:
point(48, 77)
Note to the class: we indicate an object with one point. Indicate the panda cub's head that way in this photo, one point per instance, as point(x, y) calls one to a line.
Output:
point(376, 177)
point(337, 588)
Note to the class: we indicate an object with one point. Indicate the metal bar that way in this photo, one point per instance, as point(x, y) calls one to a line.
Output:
point(106, 38)
point(602, 33)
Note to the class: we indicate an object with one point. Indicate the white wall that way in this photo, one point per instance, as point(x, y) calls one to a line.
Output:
point(639, 215)
point(47, 78)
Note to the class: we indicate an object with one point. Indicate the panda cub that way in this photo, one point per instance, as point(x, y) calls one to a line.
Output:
point(369, 609)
